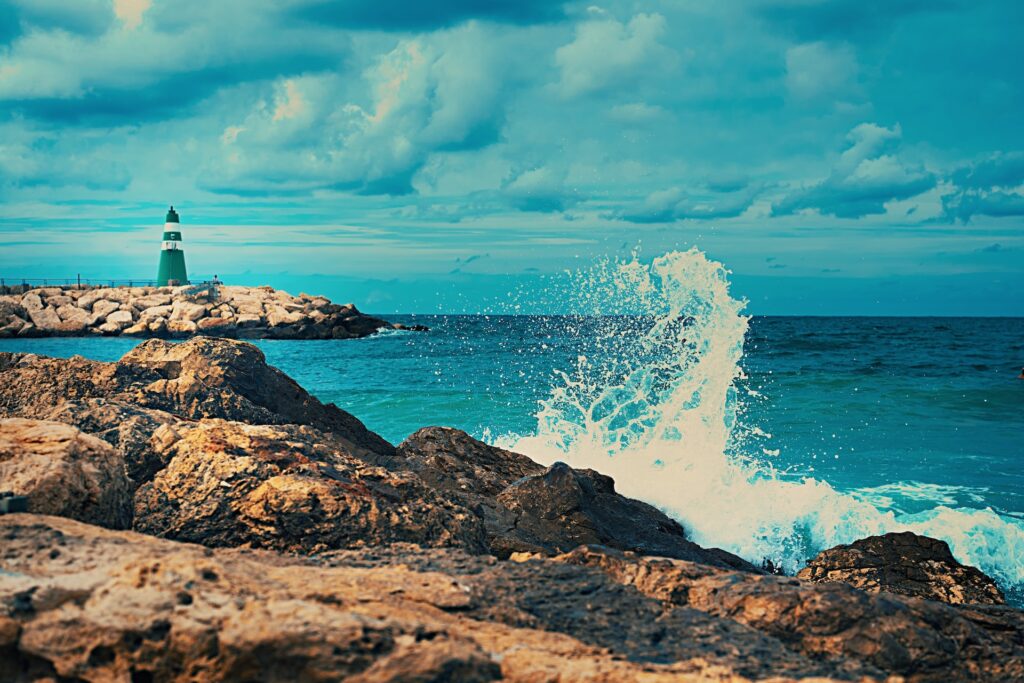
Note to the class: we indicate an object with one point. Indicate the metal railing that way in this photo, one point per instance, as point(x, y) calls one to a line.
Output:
point(20, 285)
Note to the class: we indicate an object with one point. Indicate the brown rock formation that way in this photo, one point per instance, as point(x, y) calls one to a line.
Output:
point(288, 488)
point(85, 603)
point(330, 555)
point(529, 508)
point(907, 564)
point(199, 378)
point(64, 472)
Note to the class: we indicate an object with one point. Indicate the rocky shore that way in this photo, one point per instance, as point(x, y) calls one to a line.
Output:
point(182, 312)
point(195, 515)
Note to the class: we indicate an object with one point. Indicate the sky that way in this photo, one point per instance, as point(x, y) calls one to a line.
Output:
point(840, 157)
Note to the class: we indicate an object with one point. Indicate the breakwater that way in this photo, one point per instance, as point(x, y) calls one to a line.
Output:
point(180, 312)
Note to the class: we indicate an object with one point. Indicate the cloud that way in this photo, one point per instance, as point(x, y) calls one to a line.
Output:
point(607, 53)
point(1003, 169)
point(79, 17)
point(145, 67)
point(817, 19)
point(539, 189)
point(990, 187)
point(868, 174)
point(397, 15)
point(313, 137)
point(816, 70)
point(965, 205)
point(673, 204)
point(32, 159)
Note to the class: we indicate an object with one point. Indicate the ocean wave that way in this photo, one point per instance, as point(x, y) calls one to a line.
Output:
point(655, 406)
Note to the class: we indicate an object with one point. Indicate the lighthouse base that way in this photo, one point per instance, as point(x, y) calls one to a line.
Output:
point(172, 268)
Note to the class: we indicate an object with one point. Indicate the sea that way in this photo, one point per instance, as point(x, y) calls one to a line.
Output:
point(771, 437)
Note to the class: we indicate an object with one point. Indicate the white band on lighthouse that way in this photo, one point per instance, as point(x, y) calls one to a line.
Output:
point(170, 245)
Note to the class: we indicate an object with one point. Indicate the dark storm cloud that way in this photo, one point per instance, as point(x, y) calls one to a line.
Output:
point(822, 19)
point(399, 16)
point(1004, 169)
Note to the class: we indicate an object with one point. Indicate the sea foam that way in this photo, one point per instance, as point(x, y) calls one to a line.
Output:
point(654, 404)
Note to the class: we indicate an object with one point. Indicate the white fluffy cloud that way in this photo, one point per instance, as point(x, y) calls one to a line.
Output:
point(867, 175)
point(607, 52)
point(429, 94)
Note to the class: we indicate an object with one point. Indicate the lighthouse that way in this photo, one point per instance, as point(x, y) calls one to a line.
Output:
point(172, 257)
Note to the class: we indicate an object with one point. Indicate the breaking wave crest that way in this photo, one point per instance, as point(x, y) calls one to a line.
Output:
point(653, 402)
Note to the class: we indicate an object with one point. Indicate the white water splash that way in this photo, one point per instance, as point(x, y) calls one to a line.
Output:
point(655, 406)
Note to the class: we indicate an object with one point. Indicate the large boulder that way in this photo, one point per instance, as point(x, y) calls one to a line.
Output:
point(202, 377)
point(289, 488)
point(64, 472)
point(907, 564)
point(529, 508)
point(207, 377)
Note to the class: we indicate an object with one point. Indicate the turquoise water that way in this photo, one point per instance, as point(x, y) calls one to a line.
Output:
point(834, 428)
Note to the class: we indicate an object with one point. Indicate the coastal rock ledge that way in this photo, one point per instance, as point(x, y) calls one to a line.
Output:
point(193, 514)
point(181, 312)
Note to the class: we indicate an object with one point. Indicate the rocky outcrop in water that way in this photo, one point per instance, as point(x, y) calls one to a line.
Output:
point(907, 564)
point(324, 553)
point(181, 312)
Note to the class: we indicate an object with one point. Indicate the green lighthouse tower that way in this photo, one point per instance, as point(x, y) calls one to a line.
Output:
point(172, 257)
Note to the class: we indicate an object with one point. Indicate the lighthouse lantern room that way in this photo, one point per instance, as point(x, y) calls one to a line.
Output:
point(172, 256)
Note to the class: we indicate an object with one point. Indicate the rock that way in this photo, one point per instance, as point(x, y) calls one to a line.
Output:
point(44, 318)
point(158, 326)
point(154, 312)
point(139, 329)
point(68, 327)
point(907, 564)
point(529, 508)
point(28, 330)
point(278, 316)
point(109, 328)
point(187, 310)
point(120, 318)
point(64, 472)
point(82, 602)
point(71, 313)
point(181, 328)
point(208, 377)
point(855, 632)
point(11, 310)
point(12, 327)
point(291, 489)
point(248, 320)
point(31, 301)
point(151, 301)
point(59, 300)
point(216, 326)
point(88, 298)
point(101, 309)
point(130, 429)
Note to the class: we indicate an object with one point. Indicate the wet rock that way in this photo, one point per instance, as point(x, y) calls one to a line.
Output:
point(907, 564)
point(529, 508)
point(561, 508)
point(64, 472)
point(289, 488)
point(854, 632)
